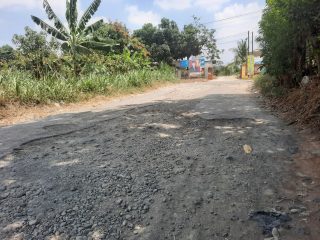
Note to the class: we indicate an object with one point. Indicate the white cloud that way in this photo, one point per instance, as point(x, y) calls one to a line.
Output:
point(19, 3)
point(173, 4)
point(209, 5)
point(58, 6)
point(138, 17)
point(236, 27)
point(236, 9)
point(95, 19)
point(30, 4)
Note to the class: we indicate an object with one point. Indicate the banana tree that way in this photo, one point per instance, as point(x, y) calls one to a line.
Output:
point(77, 38)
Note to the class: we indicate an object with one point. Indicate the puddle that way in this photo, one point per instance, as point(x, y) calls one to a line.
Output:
point(269, 220)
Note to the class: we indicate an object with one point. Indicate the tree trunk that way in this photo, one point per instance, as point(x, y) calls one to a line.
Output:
point(75, 66)
point(318, 64)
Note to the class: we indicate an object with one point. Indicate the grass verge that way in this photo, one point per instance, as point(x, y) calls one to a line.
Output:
point(21, 87)
point(299, 106)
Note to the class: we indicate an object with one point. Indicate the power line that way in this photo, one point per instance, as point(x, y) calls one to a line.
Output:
point(237, 16)
point(231, 41)
point(228, 42)
point(233, 35)
point(230, 23)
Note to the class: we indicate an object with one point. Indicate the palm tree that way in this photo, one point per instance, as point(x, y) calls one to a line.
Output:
point(78, 37)
point(241, 52)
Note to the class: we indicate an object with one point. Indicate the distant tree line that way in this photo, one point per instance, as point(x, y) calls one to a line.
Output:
point(166, 42)
point(76, 47)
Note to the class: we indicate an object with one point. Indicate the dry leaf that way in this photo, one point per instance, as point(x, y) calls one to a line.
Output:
point(247, 149)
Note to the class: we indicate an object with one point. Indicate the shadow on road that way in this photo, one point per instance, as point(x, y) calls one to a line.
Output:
point(169, 170)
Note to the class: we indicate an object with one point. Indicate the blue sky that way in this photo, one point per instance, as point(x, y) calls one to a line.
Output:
point(15, 15)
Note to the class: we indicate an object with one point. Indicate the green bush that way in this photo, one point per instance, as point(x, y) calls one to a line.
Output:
point(269, 86)
point(23, 87)
point(228, 70)
point(114, 63)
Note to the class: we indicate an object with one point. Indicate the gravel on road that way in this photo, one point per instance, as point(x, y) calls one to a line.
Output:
point(199, 164)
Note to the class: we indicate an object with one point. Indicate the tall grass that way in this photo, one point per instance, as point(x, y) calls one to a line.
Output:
point(21, 87)
point(268, 86)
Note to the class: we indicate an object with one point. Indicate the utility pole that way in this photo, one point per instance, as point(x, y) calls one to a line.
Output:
point(252, 43)
point(248, 43)
point(247, 66)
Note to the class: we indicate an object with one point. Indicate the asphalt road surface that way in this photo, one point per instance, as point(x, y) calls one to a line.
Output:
point(198, 161)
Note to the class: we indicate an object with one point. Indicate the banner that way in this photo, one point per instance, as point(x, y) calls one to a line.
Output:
point(202, 62)
point(244, 71)
point(194, 66)
point(184, 64)
point(250, 65)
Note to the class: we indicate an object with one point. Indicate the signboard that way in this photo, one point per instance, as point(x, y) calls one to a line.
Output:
point(184, 64)
point(250, 65)
point(194, 66)
point(202, 62)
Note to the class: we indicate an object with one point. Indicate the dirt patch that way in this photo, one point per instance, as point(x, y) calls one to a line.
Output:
point(300, 106)
point(14, 113)
point(186, 80)
point(301, 109)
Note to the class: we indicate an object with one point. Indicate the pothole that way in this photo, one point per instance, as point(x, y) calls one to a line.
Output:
point(232, 120)
point(59, 127)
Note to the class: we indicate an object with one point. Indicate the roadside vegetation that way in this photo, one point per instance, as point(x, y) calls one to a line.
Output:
point(77, 60)
point(290, 41)
point(21, 86)
point(167, 43)
point(268, 86)
point(240, 57)
point(227, 70)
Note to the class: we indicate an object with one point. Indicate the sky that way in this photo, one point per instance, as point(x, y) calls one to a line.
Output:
point(15, 15)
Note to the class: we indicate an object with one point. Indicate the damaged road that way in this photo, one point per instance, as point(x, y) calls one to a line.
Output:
point(171, 166)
